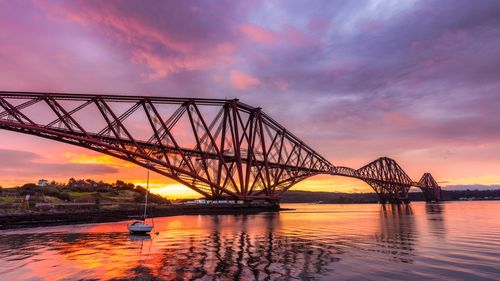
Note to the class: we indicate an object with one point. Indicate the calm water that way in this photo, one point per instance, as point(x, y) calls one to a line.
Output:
point(451, 241)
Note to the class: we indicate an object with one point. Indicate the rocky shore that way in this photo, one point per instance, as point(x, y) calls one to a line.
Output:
point(92, 213)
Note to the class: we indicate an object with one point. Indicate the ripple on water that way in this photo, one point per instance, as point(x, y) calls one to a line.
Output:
point(315, 242)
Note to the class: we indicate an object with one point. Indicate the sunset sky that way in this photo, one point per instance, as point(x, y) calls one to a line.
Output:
point(417, 81)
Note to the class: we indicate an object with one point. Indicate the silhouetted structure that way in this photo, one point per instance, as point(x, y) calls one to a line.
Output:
point(219, 148)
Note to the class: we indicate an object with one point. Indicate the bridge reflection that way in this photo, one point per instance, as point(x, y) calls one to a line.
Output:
point(268, 255)
point(287, 246)
point(435, 217)
point(397, 233)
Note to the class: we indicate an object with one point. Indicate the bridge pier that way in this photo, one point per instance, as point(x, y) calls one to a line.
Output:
point(394, 201)
point(272, 201)
point(432, 191)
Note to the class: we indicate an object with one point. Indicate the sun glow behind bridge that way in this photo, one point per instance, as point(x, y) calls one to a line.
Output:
point(172, 190)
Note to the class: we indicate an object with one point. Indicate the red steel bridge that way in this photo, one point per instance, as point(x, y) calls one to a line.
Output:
point(219, 148)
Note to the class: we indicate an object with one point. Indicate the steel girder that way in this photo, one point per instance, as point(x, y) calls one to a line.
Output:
point(219, 148)
point(390, 181)
point(432, 191)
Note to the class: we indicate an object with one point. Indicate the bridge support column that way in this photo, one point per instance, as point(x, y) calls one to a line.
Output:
point(394, 200)
point(273, 201)
point(432, 191)
point(390, 193)
point(382, 199)
point(398, 201)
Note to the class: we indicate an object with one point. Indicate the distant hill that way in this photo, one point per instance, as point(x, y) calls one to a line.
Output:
point(472, 187)
point(300, 196)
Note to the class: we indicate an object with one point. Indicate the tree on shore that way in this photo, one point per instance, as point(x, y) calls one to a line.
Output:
point(78, 187)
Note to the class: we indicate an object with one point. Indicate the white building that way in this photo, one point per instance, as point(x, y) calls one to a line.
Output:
point(43, 182)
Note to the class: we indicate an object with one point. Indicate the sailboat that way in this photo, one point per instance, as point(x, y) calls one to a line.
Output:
point(140, 226)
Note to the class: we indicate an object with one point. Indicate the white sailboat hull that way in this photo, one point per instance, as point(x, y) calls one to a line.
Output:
point(139, 227)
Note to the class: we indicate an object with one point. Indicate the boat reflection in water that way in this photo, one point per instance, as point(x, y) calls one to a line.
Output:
point(139, 237)
point(315, 242)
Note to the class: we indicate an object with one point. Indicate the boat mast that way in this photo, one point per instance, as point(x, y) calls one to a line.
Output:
point(147, 191)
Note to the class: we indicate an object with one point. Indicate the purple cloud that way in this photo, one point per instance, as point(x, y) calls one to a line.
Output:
point(414, 80)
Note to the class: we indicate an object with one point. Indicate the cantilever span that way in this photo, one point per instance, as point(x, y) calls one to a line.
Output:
point(390, 181)
point(219, 148)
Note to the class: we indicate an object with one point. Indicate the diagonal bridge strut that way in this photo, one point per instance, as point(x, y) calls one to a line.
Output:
point(219, 148)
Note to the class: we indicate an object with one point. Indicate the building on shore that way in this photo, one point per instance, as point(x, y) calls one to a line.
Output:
point(43, 182)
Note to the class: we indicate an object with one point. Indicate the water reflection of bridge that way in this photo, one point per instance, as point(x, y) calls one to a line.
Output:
point(269, 255)
point(246, 247)
point(397, 233)
point(219, 148)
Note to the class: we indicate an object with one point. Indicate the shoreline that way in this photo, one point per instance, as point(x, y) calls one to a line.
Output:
point(16, 221)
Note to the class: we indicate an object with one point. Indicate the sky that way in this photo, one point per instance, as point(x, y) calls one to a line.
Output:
point(417, 81)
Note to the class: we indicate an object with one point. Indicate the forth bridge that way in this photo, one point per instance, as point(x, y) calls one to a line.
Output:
point(218, 148)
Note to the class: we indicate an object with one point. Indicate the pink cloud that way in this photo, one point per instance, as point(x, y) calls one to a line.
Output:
point(128, 29)
point(162, 66)
point(298, 38)
point(164, 51)
point(243, 81)
point(398, 118)
point(288, 35)
point(259, 34)
point(393, 87)
point(281, 85)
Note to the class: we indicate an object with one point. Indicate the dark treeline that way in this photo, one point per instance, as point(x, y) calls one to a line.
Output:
point(63, 190)
point(300, 196)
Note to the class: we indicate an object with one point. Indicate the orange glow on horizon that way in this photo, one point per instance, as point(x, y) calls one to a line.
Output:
point(171, 189)
point(104, 159)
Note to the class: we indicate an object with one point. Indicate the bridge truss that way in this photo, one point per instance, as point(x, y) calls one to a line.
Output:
point(219, 148)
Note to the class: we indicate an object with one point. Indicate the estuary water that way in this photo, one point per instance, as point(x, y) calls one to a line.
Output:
point(446, 241)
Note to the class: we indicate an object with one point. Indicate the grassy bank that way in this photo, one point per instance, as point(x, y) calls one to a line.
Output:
point(30, 196)
point(87, 201)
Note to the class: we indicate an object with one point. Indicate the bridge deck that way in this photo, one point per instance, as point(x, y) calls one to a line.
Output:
point(240, 152)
